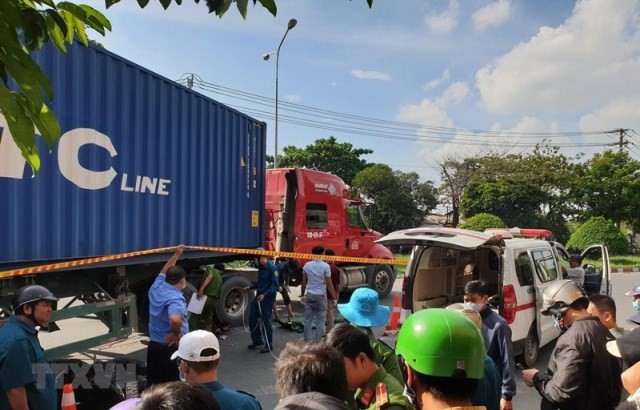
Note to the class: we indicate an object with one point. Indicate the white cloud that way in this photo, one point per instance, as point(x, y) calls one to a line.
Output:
point(293, 98)
point(584, 64)
point(427, 112)
point(370, 75)
point(624, 113)
point(454, 94)
point(446, 21)
point(492, 15)
point(446, 75)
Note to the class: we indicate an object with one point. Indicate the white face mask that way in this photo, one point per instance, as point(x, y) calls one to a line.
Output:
point(475, 306)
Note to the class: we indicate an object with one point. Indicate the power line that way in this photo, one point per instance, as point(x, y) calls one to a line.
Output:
point(359, 125)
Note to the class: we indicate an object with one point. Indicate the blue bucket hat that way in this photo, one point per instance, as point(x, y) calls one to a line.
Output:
point(363, 309)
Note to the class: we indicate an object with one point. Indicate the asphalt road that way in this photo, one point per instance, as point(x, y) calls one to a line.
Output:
point(252, 371)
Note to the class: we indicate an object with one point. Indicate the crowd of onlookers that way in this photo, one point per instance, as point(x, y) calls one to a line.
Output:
point(460, 357)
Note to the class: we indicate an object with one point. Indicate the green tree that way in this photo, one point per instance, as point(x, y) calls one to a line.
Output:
point(328, 155)
point(401, 200)
point(456, 173)
point(517, 203)
point(609, 186)
point(25, 26)
point(483, 221)
point(598, 230)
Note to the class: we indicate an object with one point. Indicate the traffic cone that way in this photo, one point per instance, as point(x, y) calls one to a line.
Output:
point(395, 314)
point(68, 398)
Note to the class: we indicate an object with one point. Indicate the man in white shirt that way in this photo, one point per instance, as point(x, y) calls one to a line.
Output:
point(575, 271)
point(316, 281)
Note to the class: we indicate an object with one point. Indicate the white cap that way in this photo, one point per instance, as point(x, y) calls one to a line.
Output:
point(193, 343)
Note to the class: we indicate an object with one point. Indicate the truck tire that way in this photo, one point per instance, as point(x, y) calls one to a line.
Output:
point(233, 305)
point(531, 348)
point(381, 279)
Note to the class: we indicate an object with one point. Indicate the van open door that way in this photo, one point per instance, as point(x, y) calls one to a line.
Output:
point(597, 271)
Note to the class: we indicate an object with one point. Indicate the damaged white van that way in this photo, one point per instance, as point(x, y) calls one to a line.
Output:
point(514, 265)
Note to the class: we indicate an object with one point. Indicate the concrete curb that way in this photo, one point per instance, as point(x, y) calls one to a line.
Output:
point(633, 269)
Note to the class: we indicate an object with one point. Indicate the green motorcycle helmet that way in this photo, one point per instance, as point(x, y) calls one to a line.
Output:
point(442, 343)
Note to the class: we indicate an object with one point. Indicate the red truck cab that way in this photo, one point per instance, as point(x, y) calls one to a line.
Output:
point(306, 208)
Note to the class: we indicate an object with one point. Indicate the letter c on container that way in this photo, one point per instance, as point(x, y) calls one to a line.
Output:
point(68, 149)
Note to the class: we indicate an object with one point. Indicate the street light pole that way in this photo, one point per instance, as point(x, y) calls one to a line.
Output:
point(292, 24)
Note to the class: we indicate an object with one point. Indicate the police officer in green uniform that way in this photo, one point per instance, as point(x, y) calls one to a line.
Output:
point(364, 311)
point(372, 386)
point(26, 380)
point(442, 359)
point(210, 287)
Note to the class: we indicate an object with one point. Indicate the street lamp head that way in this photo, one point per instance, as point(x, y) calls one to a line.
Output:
point(292, 24)
point(266, 56)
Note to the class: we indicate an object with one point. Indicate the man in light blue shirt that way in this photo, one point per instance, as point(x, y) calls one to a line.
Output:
point(167, 320)
point(316, 280)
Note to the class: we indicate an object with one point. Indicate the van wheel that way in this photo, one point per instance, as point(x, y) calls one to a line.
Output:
point(233, 305)
point(531, 348)
point(381, 279)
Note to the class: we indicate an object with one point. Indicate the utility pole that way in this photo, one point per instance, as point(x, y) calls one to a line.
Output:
point(622, 142)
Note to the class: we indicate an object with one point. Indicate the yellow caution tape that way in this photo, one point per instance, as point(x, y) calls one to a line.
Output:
point(258, 252)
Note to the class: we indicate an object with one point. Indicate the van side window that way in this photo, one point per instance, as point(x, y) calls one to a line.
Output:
point(316, 216)
point(545, 265)
point(524, 270)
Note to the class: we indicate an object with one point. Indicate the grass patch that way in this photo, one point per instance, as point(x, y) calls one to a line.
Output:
point(400, 269)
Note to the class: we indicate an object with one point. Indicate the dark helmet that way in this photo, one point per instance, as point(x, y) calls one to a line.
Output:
point(31, 293)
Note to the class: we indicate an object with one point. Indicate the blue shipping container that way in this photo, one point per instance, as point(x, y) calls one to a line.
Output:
point(142, 163)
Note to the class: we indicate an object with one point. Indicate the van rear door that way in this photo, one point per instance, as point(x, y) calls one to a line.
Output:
point(597, 271)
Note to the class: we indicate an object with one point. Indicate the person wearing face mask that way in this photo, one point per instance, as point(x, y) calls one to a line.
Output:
point(167, 320)
point(443, 373)
point(581, 375)
point(198, 357)
point(497, 338)
point(635, 303)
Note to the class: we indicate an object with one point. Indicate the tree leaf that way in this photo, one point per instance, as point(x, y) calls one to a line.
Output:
point(57, 36)
point(242, 7)
point(370, 3)
point(21, 127)
point(223, 7)
point(143, 3)
point(59, 21)
point(165, 3)
point(47, 124)
point(109, 3)
point(23, 77)
point(270, 5)
point(96, 20)
point(80, 31)
point(49, 3)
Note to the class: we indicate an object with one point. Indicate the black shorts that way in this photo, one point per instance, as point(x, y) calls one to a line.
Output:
point(285, 295)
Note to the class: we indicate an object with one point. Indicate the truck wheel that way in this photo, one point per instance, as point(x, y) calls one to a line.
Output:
point(531, 348)
point(381, 279)
point(233, 305)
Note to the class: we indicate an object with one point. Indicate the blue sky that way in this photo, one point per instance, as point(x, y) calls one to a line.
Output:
point(520, 69)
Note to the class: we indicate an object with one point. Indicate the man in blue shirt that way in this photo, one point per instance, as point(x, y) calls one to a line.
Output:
point(167, 320)
point(198, 359)
point(26, 379)
point(262, 304)
point(316, 281)
point(497, 338)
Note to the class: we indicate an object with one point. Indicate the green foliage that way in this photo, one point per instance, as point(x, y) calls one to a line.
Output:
point(517, 203)
point(483, 221)
point(598, 230)
point(327, 155)
point(26, 25)
point(401, 200)
point(609, 185)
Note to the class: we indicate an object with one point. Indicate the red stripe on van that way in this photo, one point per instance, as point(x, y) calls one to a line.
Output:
point(526, 306)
